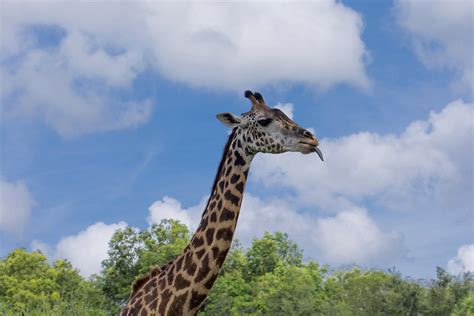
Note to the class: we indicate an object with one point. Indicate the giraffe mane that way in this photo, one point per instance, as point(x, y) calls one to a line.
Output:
point(154, 271)
point(221, 164)
point(144, 278)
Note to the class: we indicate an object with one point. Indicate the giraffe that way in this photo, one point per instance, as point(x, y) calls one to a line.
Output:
point(180, 287)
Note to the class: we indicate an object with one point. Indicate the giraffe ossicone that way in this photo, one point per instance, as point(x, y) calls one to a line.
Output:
point(180, 287)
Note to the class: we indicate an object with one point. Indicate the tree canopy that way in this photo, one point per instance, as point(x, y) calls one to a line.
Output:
point(269, 277)
point(30, 285)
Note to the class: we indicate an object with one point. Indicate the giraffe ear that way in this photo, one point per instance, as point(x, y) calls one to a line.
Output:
point(229, 119)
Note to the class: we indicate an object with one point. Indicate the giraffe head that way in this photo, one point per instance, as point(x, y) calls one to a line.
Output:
point(269, 130)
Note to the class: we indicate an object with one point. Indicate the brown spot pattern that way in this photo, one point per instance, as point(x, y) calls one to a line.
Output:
point(180, 282)
point(210, 235)
point(234, 199)
point(225, 233)
point(196, 299)
point(226, 215)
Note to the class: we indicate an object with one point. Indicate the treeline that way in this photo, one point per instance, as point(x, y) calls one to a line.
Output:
point(268, 278)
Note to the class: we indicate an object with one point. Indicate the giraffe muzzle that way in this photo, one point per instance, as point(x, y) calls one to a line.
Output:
point(309, 146)
point(311, 140)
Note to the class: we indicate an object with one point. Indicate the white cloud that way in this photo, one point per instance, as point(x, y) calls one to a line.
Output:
point(464, 260)
point(237, 45)
point(69, 82)
point(430, 163)
point(418, 182)
point(353, 237)
point(169, 207)
point(349, 237)
point(442, 34)
point(16, 203)
point(68, 88)
point(87, 249)
point(258, 216)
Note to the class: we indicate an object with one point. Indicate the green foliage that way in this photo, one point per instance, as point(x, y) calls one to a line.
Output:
point(121, 266)
point(359, 292)
point(266, 253)
point(161, 243)
point(268, 278)
point(290, 290)
point(465, 307)
point(231, 295)
point(29, 285)
point(132, 253)
point(446, 292)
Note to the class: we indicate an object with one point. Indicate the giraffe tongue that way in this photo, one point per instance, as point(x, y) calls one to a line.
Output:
point(319, 153)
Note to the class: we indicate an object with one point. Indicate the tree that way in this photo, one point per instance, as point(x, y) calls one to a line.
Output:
point(269, 278)
point(162, 243)
point(29, 285)
point(465, 307)
point(230, 295)
point(27, 281)
point(264, 254)
point(446, 292)
point(132, 253)
point(290, 290)
point(121, 267)
point(358, 292)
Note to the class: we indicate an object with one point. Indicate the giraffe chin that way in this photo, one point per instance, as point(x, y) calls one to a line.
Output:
point(305, 148)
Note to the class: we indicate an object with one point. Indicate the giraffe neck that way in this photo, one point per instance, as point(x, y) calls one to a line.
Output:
point(212, 240)
point(219, 219)
point(180, 287)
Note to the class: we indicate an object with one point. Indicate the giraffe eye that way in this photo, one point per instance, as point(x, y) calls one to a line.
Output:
point(265, 122)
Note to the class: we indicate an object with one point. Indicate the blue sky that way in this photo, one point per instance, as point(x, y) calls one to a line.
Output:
point(108, 120)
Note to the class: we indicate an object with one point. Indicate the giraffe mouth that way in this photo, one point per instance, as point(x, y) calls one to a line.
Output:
point(310, 147)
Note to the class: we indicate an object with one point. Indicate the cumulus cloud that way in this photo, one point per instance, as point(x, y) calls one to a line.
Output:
point(169, 207)
point(441, 33)
point(64, 66)
point(430, 163)
point(258, 43)
point(64, 63)
point(464, 260)
point(353, 237)
point(349, 237)
point(85, 250)
point(419, 181)
point(16, 203)
point(69, 87)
